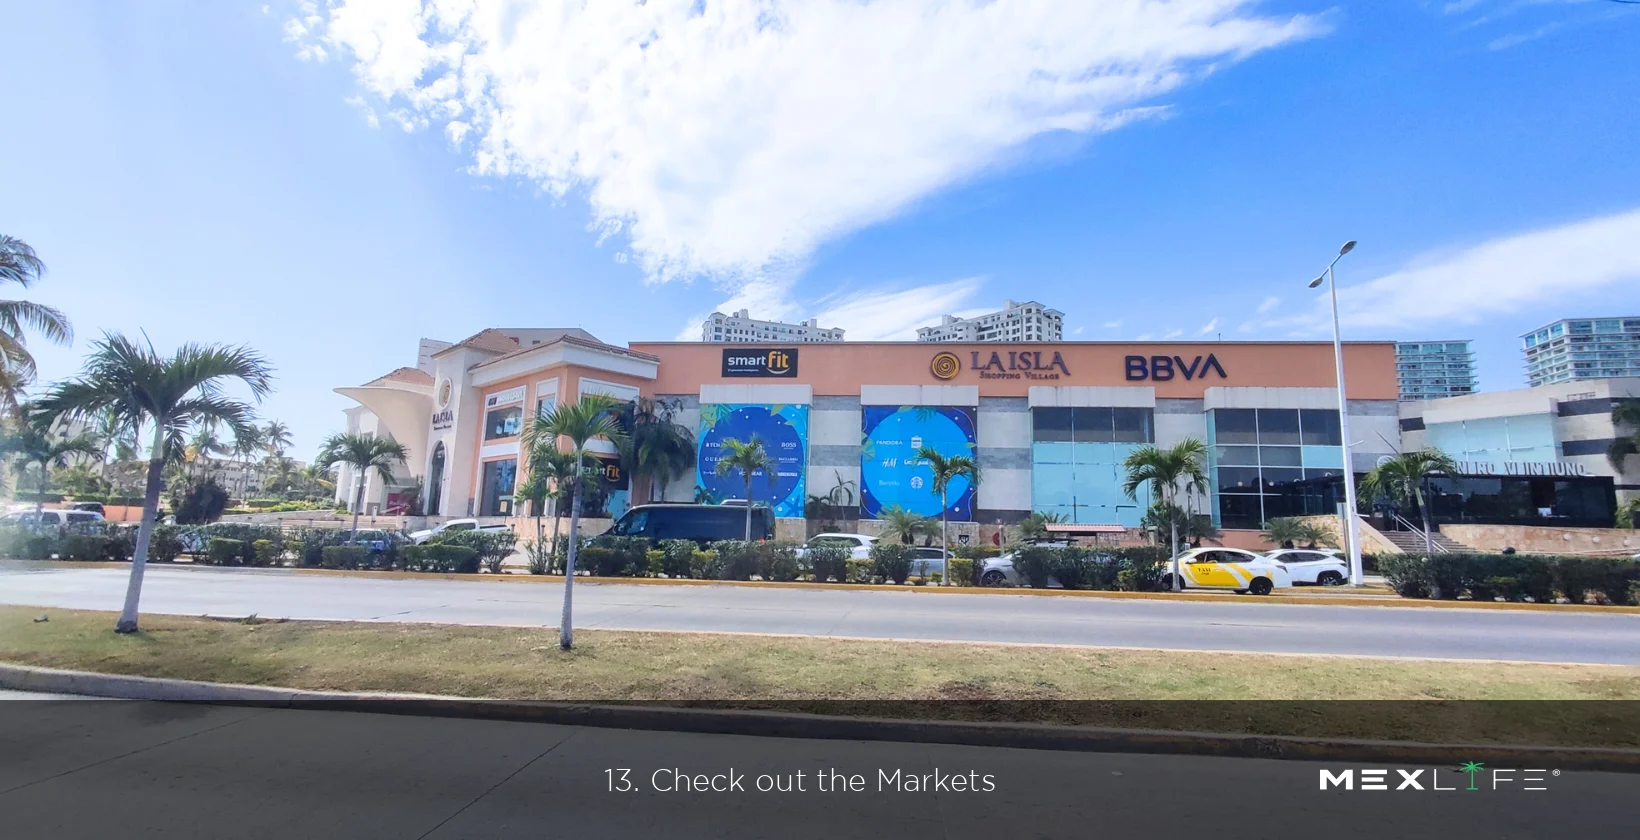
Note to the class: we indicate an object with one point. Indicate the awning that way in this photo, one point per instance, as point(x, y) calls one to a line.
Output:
point(1079, 528)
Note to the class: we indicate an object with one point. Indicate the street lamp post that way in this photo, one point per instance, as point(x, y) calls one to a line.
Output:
point(1352, 528)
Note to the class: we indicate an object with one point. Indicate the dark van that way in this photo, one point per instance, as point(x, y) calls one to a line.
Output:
point(701, 523)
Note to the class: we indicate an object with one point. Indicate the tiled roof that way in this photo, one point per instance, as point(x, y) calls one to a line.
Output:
point(492, 340)
point(414, 376)
point(570, 337)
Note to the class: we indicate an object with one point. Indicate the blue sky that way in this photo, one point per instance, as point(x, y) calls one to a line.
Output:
point(243, 172)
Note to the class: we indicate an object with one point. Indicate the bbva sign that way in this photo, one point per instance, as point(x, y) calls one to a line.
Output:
point(1164, 368)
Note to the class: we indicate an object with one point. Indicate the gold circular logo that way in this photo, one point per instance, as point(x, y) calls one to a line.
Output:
point(945, 366)
point(444, 390)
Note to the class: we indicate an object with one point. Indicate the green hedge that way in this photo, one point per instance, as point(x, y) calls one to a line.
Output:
point(492, 547)
point(1540, 578)
point(1135, 569)
point(343, 556)
point(225, 552)
point(829, 562)
point(891, 560)
point(442, 558)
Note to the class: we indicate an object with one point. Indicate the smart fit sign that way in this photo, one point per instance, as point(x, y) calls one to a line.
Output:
point(777, 363)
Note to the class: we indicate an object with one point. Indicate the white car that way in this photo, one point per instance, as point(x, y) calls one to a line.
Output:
point(419, 537)
point(52, 518)
point(1230, 569)
point(858, 545)
point(1000, 570)
point(1313, 566)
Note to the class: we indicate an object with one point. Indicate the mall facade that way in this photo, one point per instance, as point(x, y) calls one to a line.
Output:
point(1049, 424)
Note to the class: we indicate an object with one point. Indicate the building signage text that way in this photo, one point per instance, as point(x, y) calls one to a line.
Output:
point(1165, 368)
point(1525, 468)
point(443, 419)
point(507, 397)
point(778, 362)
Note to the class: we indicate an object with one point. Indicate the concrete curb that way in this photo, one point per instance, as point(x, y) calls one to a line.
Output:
point(791, 725)
point(1375, 598)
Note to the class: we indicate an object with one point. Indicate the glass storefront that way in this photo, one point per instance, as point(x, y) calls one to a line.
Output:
point(1576, 502)
point(503, 422)
point(1076, 462)
point(499, 478)
point(1267, 463)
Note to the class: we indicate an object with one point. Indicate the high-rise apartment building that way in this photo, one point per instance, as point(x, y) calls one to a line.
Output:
point(1583, 348)
point(1430, 370)
point(741, 327)
point(1028, 321)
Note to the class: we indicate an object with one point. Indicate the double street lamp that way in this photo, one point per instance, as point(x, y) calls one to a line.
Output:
point(1352, 528)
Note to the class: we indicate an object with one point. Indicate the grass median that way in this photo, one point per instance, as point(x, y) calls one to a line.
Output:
point(897, 679)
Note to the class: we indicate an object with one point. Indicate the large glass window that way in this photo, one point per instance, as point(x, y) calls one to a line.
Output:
point(1051, 424)
point(1279, 462)
point(1278, 426)
point(1076, 462)
point(499, 477)
point(1320, 427)
point(1235, 425)
point(503, 422)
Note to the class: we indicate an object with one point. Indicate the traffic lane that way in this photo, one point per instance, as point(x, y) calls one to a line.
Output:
point(285, 773)
point(1245, 625)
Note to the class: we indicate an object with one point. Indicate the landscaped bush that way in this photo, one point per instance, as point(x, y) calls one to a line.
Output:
point(1407, 575)
point(542, 561)
point(861, 571)
point(1036, 564)
point(962, 571)
point(891, 560)
point(777, 560)
point(975, 553)
point(599, 560)
point(265, 553)
point(343, 556)
point(703, 565)
point(164, 544)
point(225, 552)
point(677, 558)
point(829, 562)
point(1487, 577)
point(442, 558)
point(83, 547)
point(492, 547)
point(736, 559)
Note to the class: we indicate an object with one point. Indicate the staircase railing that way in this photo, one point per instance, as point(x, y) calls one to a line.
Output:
point(1419, 533)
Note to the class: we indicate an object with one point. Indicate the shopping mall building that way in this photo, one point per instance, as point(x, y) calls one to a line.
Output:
point(1049, 424)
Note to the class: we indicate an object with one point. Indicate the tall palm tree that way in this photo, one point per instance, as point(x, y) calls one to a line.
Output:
point(144, 389)
point(1165, 470)
point(202, 448)
point(657, 448)
point(362, 452)
point(899, 522)
point(1625, 413)
point(276, 438)
point(576, 424)
point(20, 265)
point(1404, 478)
point(35, 446)
point(945, 470)
point(550, 471)
point(746, 458)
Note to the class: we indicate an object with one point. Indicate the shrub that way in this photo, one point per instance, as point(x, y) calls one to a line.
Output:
point(891, 560)
point(1450, 574)
point(164, 544)
point(1575, 578)
point(703, 565)
point(677, 558)
point(492, 547)
point(542, 561)
point(1616, 577)
point(440, 558)
point(778, 561)
point(265, 553)
point(83, 547)
point(1073, 566)
point(975, 553)
point(736, 559)
point(861, 571)
point(40, 546)
point(599, 560)
point(1536, 580)
point(654, 563)
point(342, 556)
point(962, 571)
point(829, 562)
point(224, 552)
point(119, 544)
point(1408, 575)
point(1036, 564)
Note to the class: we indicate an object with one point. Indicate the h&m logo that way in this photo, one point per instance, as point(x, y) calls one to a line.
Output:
point(1164, 368)
point(1379, 779)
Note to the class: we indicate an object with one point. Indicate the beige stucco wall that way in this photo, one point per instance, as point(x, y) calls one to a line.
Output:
point(1535, 539)
point(1372, 542)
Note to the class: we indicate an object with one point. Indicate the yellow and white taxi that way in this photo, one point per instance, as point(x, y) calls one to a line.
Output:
point(1229, 568)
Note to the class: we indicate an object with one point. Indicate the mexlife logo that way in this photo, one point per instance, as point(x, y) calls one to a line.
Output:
point(777, 362)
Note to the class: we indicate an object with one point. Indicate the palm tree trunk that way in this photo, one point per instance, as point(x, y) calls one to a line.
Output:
point(1173, 529)
point(358, 502)
point(566, 629)
point(748, 507)
point(1429, 521)
point(145, 533)
point(945, 535)
point(40, 503)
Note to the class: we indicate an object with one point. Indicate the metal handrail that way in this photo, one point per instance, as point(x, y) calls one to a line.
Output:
point(1419, 533)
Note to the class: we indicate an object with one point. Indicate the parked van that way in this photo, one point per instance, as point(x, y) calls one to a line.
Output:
point(701, 523)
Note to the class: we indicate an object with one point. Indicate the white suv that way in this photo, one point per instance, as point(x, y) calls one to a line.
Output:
point(1229, 568)
point(858, 545)
point(1313, 566)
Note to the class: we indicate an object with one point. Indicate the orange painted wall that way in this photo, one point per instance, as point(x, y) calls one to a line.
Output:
point(840, 369)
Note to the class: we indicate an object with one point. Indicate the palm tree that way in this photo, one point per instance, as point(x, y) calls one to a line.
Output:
point(1625, 413)
point(141, 388)
point(657, 447)
point(1289, 532)
point(276, 438)
point(33, 445)
point(578, 424)
point(1164, 470)
point(747, 458)
point(18, 264)
point(899, 522)
point(204, 446)
point(362, 452)
point(1406, 477)
point(550, 470)
point(945, 469)
point(1035, 526)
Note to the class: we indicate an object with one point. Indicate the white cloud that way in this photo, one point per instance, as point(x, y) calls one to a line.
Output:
point(1142, 337)
point(1113, 325)
point(1209, 327)
point(1077, 331)
point(1172, 334)
point(1501, 276)
point(878, 315)
point(1268, 304)
point(365, 109)
point(732, 138)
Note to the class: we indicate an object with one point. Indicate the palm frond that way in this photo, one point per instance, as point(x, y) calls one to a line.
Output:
point(19, 315)
point(18, 262)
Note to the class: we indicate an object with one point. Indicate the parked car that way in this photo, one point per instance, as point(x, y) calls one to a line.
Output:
point(858, 545)
point(419, 537)
point(1229, 569)
point(95, 507)
point(52, 518)
point(375, 539)
point(928, 559)
point(1000, 571)
point(1313, 566)
point(701, 523)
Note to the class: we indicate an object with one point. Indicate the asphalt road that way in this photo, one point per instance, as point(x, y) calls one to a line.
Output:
point(1242, 625)
point(123, 769)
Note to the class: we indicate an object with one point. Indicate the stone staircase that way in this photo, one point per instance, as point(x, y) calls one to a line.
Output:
point(1411, 543)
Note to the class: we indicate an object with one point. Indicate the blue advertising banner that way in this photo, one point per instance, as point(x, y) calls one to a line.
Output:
point(784, 431)
point(892, 474)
